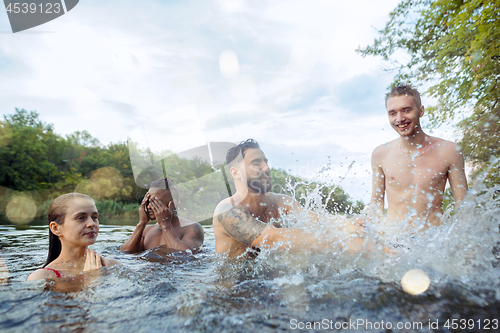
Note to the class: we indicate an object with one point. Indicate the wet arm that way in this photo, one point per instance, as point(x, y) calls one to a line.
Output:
point(109, 262)
point(378, 181)
point(456, 176)
point(170, 239)
point(135, 243)
point(242, 226)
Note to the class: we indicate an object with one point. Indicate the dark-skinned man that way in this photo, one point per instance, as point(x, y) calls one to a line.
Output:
point(170, 231)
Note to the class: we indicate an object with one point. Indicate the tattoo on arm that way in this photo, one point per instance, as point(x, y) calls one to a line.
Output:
point(240, 224)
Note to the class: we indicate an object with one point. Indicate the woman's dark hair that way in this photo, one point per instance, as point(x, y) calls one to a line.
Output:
point(57, 213)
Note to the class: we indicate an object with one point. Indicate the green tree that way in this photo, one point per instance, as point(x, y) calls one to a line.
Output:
point(454, 51)
point(311, 194)
point(30, 152)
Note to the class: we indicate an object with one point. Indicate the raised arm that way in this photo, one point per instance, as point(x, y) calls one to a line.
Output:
point(378, 179)
point(456, 174)
point(135, 243)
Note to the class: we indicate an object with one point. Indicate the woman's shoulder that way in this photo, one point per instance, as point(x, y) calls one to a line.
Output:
point(42, 274)
point(108, 262)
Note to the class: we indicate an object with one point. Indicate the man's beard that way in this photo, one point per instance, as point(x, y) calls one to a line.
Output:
point(259, 185)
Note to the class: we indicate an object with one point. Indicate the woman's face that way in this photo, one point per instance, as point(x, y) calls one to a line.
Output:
point(81, 224)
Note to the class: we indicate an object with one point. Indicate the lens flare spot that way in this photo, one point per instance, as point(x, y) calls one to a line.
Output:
point(102, 183)
point(229, 66)
point(21, 209)
point(415, 281)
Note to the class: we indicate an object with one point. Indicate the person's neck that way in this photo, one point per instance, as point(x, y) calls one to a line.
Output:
point(250, 201)
point(71, 255)
point(413, 142)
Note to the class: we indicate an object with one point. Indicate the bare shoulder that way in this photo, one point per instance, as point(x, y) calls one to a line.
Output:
point(108, 262)
point(185, 222)
point(223, 206)
point(381, 151)
point(192, 227)
point(41, 274)
point(442, 144)
point(448, 149)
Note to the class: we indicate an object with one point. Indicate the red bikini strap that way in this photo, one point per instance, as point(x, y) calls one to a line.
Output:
point(53, 270)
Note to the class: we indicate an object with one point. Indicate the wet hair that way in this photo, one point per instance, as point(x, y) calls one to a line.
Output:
point(404, 89)
point(237, 153)
point(57, 213)
point(166, 184)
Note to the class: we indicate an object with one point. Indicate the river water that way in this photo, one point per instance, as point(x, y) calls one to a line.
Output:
point(278, 291)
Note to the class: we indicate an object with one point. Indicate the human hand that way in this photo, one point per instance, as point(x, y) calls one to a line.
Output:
point(143, 209)
point(375, 248)
point(163, 213)
point(93, 261)
point(355, 226)
point(359, 221)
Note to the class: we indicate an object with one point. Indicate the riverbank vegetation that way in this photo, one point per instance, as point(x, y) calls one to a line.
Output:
point(451, 49)
point(37, 165)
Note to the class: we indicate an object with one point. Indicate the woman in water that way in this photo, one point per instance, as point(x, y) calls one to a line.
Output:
point(73, 226)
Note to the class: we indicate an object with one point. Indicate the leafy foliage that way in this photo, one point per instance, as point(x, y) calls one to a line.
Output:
point(43, 165)
point(454, 50)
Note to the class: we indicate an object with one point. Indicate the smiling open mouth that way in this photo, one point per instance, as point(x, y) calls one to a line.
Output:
point(403, 126)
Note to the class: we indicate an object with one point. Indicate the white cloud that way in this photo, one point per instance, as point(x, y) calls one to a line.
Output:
point(295, 82)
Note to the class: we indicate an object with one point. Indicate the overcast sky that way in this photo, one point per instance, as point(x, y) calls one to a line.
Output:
point(282, 72)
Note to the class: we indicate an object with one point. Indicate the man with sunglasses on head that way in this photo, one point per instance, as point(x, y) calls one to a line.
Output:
point(251, 217)
point(170, 230)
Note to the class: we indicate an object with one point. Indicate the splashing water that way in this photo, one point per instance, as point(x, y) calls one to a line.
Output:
point(462, 252)
point(279, 288)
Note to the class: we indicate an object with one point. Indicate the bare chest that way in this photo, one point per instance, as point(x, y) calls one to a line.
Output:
point(425, 172)
point(153, 236)
point(265, 212)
